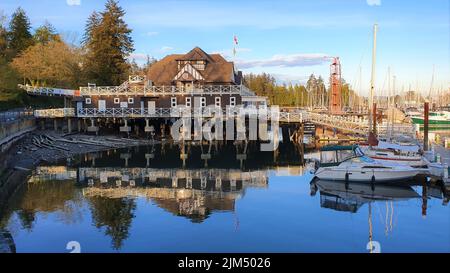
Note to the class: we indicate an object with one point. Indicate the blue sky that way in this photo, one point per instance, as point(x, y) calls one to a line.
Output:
point(288, 39)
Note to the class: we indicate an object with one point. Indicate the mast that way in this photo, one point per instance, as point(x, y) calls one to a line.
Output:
point(431, 87)
point(389, 110)
point(372, 78)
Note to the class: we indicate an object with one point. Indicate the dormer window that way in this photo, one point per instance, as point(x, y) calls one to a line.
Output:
point(199, 65)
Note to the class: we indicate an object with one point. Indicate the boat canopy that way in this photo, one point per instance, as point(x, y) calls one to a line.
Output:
point(338, 148)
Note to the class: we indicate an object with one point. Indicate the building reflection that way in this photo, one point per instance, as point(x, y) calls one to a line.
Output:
point(110, 193)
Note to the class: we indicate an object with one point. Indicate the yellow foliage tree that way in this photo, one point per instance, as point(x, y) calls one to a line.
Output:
point(51, 64)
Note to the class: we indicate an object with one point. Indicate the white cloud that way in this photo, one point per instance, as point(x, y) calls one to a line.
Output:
point(152, 33)
point(165, 49)
point(138, 56)
point(73, 2)
point(373, 2)
point(292, 60)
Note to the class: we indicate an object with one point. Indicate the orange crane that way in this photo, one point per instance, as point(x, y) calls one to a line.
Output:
point(335, 83)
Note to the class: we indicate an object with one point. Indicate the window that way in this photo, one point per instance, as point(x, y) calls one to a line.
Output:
point(88, 101)
point(202, 102)
point(173, 101)
point(218, 102)
point(130, 100)
point(116, 100)
point(199, 65)
point(232, 101)
point(188, 101)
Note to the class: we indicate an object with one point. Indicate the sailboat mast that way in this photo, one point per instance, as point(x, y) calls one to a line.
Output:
point(372, 78)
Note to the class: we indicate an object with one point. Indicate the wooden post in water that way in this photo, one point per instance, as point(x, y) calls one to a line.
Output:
point(426, 114)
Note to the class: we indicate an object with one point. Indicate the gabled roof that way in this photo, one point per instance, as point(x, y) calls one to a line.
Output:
point(196, 54)
point(217, 70)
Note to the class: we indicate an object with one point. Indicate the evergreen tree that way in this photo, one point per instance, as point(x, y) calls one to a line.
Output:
point(3, 35)
point(19, 31)
point(108, 42)
point(46, 33)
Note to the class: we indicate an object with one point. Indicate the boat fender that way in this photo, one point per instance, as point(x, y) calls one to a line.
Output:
point(372, 182)
point(346, 177)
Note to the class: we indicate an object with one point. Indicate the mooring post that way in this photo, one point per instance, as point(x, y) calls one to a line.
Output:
point(424, 199)
point(426, 113)
point(69, 125)
point(55, 124)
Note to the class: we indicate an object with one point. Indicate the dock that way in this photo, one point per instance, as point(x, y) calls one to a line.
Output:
point(442, 155)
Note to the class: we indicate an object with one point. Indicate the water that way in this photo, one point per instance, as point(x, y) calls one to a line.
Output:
point(265, 204)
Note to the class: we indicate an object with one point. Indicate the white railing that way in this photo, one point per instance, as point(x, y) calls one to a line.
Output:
point(165, 90)
point(47, 91)
point(54, 113)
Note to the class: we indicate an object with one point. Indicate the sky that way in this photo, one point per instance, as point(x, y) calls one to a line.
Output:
point(288, 39)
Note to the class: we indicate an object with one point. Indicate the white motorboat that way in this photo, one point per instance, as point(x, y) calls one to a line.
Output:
point(348, 163)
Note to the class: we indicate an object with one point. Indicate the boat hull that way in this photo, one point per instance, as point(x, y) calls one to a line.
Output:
point(366, 175)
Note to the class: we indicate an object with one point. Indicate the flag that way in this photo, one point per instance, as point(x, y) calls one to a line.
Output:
point(235, 40)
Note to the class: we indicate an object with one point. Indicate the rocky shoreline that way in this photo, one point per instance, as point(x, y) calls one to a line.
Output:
point(47, 146)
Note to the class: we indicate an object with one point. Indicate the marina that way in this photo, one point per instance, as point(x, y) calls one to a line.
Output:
point(113, 204)
point(159, 138)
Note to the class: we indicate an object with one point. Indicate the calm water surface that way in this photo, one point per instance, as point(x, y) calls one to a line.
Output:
point(144, 200)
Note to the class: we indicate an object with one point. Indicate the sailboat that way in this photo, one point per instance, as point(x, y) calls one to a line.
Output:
point(348, 163)
point(389, 152)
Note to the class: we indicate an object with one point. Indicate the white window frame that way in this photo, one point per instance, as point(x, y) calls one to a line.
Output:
point(116, 100)
point(87, 100)
point(232, 101)
point(173, 101)
point(188, 101)
point(218, 101)
point(202, 102)
point(130, 100)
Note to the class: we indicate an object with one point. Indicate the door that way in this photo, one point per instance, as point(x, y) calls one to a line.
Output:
point(101, 105)
point(151, 107)
point(79, 107)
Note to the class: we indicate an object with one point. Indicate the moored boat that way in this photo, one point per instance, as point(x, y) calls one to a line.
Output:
point(348, 163)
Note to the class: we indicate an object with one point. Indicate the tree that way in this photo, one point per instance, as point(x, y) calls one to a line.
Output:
point(3, 35)
point(45, 33)
point(53, 63)
point(108, 43)
point(19, 32)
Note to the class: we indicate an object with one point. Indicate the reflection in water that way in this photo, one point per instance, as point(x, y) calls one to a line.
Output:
point(7, 244)
point(111, 190)
point(115, 215)
point(350, 197)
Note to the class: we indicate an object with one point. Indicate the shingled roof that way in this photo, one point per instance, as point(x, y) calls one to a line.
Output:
point(217, 70)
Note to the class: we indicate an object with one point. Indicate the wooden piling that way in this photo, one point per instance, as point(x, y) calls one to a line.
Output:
point(426, 113)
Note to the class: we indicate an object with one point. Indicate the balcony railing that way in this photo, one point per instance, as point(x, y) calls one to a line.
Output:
point(55, 113)
point(166, 90)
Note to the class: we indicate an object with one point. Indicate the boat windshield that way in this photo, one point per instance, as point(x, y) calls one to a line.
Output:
point(361, 159)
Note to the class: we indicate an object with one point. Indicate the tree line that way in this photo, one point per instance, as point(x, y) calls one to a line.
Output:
point(43, 58)
point(312, 94)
